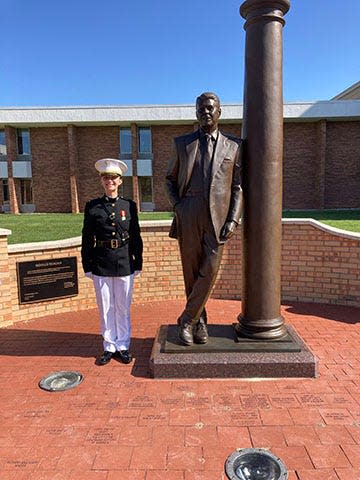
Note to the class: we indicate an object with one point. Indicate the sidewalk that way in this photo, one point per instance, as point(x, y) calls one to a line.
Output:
point(121, 424)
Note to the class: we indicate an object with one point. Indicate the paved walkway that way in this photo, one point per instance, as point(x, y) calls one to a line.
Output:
point(121, 424)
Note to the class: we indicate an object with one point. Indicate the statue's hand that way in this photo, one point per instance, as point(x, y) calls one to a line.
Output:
point(228, 230)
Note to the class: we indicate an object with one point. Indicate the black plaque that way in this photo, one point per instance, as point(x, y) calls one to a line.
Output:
point(42, 280)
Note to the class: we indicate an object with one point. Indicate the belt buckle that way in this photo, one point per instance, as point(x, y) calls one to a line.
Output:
point(114, 243)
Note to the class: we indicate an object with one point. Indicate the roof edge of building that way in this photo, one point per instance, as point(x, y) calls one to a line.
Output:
point(165, 114)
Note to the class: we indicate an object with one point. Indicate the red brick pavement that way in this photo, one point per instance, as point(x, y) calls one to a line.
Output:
point(120, 423)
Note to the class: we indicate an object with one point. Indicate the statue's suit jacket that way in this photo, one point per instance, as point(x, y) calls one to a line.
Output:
point(225, 193)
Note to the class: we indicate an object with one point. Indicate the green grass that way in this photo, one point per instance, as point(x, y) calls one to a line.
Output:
point(143, 216)
point(39, 227)
point(343, 219)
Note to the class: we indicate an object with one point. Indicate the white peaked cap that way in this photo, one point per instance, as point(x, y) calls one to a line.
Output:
point(111, 166)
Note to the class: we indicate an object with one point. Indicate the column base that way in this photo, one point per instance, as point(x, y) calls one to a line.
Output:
point(225, 356)
point(264, 329)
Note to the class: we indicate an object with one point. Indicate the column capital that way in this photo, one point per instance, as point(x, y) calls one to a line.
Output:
point(257, 10)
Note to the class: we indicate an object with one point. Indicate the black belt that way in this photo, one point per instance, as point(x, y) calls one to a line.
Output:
point(114, 243)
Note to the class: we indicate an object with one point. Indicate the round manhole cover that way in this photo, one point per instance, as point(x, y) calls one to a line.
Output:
point(255, 464)
point(59, 381)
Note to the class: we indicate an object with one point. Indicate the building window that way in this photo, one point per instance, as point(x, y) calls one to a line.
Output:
point(26, 191)
point(145, 140)
point(23, 141)
point(125, 141)
point(126, 188)
point(5, 190)
point(144, 167)
point(2, 142)
point(145, 190)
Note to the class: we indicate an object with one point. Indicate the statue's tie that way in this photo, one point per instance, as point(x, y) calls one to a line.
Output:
point(207, 157)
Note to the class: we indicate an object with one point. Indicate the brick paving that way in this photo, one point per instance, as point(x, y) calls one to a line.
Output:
point(120, 423)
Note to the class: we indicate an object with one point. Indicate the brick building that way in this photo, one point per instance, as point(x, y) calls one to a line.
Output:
point(47, 155)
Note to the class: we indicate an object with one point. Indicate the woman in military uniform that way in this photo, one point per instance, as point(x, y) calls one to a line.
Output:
point(111, 256)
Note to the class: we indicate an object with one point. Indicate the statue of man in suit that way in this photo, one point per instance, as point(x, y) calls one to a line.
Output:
point(203, 183)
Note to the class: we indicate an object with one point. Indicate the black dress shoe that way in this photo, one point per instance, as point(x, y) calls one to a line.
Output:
point(105, 358)
point(200, 332)
point(185, 332)
point(124, 356)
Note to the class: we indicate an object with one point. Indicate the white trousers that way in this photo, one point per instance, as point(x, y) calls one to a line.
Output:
point(113, 297)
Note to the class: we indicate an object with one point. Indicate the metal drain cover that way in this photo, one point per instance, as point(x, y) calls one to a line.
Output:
point(254, 464)
point(59, 381)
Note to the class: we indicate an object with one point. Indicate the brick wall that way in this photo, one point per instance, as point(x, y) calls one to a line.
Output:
point(51, 164)
point(11, 154)
point(162, 136)
point(231, 129)
point(94, 143)
point(47, 251)
point(342, 171)
point(50, 169)
point(6, 288)
point(321, 163)
point(300, 164)
point(161, 278)
point(319, 264)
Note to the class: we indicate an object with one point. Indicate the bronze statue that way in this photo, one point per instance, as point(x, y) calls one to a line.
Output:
point(203, 183)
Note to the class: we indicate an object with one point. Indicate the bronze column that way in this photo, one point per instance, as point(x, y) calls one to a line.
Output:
point(263, 135)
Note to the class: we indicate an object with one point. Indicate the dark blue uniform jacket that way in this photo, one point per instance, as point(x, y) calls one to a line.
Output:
point(105, 221)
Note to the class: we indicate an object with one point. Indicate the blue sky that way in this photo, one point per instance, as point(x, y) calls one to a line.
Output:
point(125, 52)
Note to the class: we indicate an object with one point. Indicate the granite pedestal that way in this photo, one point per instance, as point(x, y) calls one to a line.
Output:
point(225, 355)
